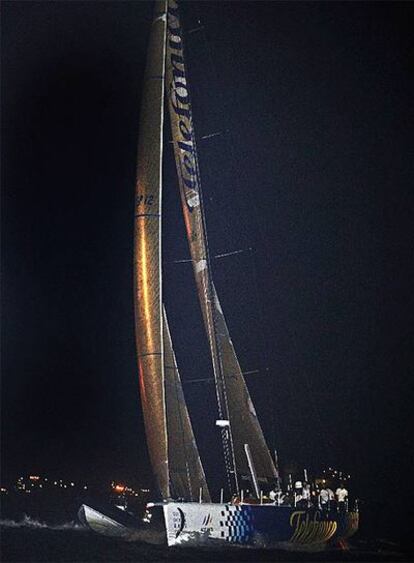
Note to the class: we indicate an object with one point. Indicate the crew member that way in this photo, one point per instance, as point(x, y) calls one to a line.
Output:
point(341, 497)
point(323, 499)
point(306, 494)
point(298, 492)
point(331, 498)
point(273, 494)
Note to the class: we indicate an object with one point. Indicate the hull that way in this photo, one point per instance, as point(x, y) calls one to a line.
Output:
point(263, 525)
point(193, 524)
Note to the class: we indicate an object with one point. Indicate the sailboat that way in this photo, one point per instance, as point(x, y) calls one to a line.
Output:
point(186, 511)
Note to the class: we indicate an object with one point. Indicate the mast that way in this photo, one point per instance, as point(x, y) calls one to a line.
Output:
point(189, 179)
point(239, 424)
point(147, 252)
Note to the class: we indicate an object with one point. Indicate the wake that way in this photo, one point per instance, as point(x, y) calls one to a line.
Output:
point(146, 535)
point(34, 524)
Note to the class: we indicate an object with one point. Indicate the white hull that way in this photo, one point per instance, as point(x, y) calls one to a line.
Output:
point(196, 524)
point(267, 525)
point(193, 523)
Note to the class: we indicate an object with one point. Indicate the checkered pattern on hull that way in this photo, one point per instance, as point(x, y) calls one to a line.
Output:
point(236, 524)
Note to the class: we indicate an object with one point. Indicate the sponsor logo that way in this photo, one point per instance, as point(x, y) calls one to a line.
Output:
point(178, 521)
point(311, 529)
point(182, 126)
point(207, 523)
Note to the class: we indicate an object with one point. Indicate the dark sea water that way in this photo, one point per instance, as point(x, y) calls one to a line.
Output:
point(30, 540)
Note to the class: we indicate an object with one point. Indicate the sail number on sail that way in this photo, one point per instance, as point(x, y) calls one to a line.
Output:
point(146, 200)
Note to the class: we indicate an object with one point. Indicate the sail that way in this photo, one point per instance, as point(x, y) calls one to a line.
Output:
point(245, 424)
point(233, 397)
point(186, 472)
point(147, 253)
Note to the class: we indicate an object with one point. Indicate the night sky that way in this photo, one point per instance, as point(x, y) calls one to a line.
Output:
point(311, 177)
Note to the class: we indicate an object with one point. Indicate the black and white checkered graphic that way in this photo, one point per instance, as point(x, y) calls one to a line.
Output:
point(236, 524)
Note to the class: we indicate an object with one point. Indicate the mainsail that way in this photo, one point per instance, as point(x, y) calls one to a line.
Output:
point(147, 253)
point(172, 447)
point(234, 401)
point(186, 472)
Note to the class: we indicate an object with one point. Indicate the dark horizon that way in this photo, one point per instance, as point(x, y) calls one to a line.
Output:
point(311, 177)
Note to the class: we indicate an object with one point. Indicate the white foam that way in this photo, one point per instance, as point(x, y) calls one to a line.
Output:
point(33, 523)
